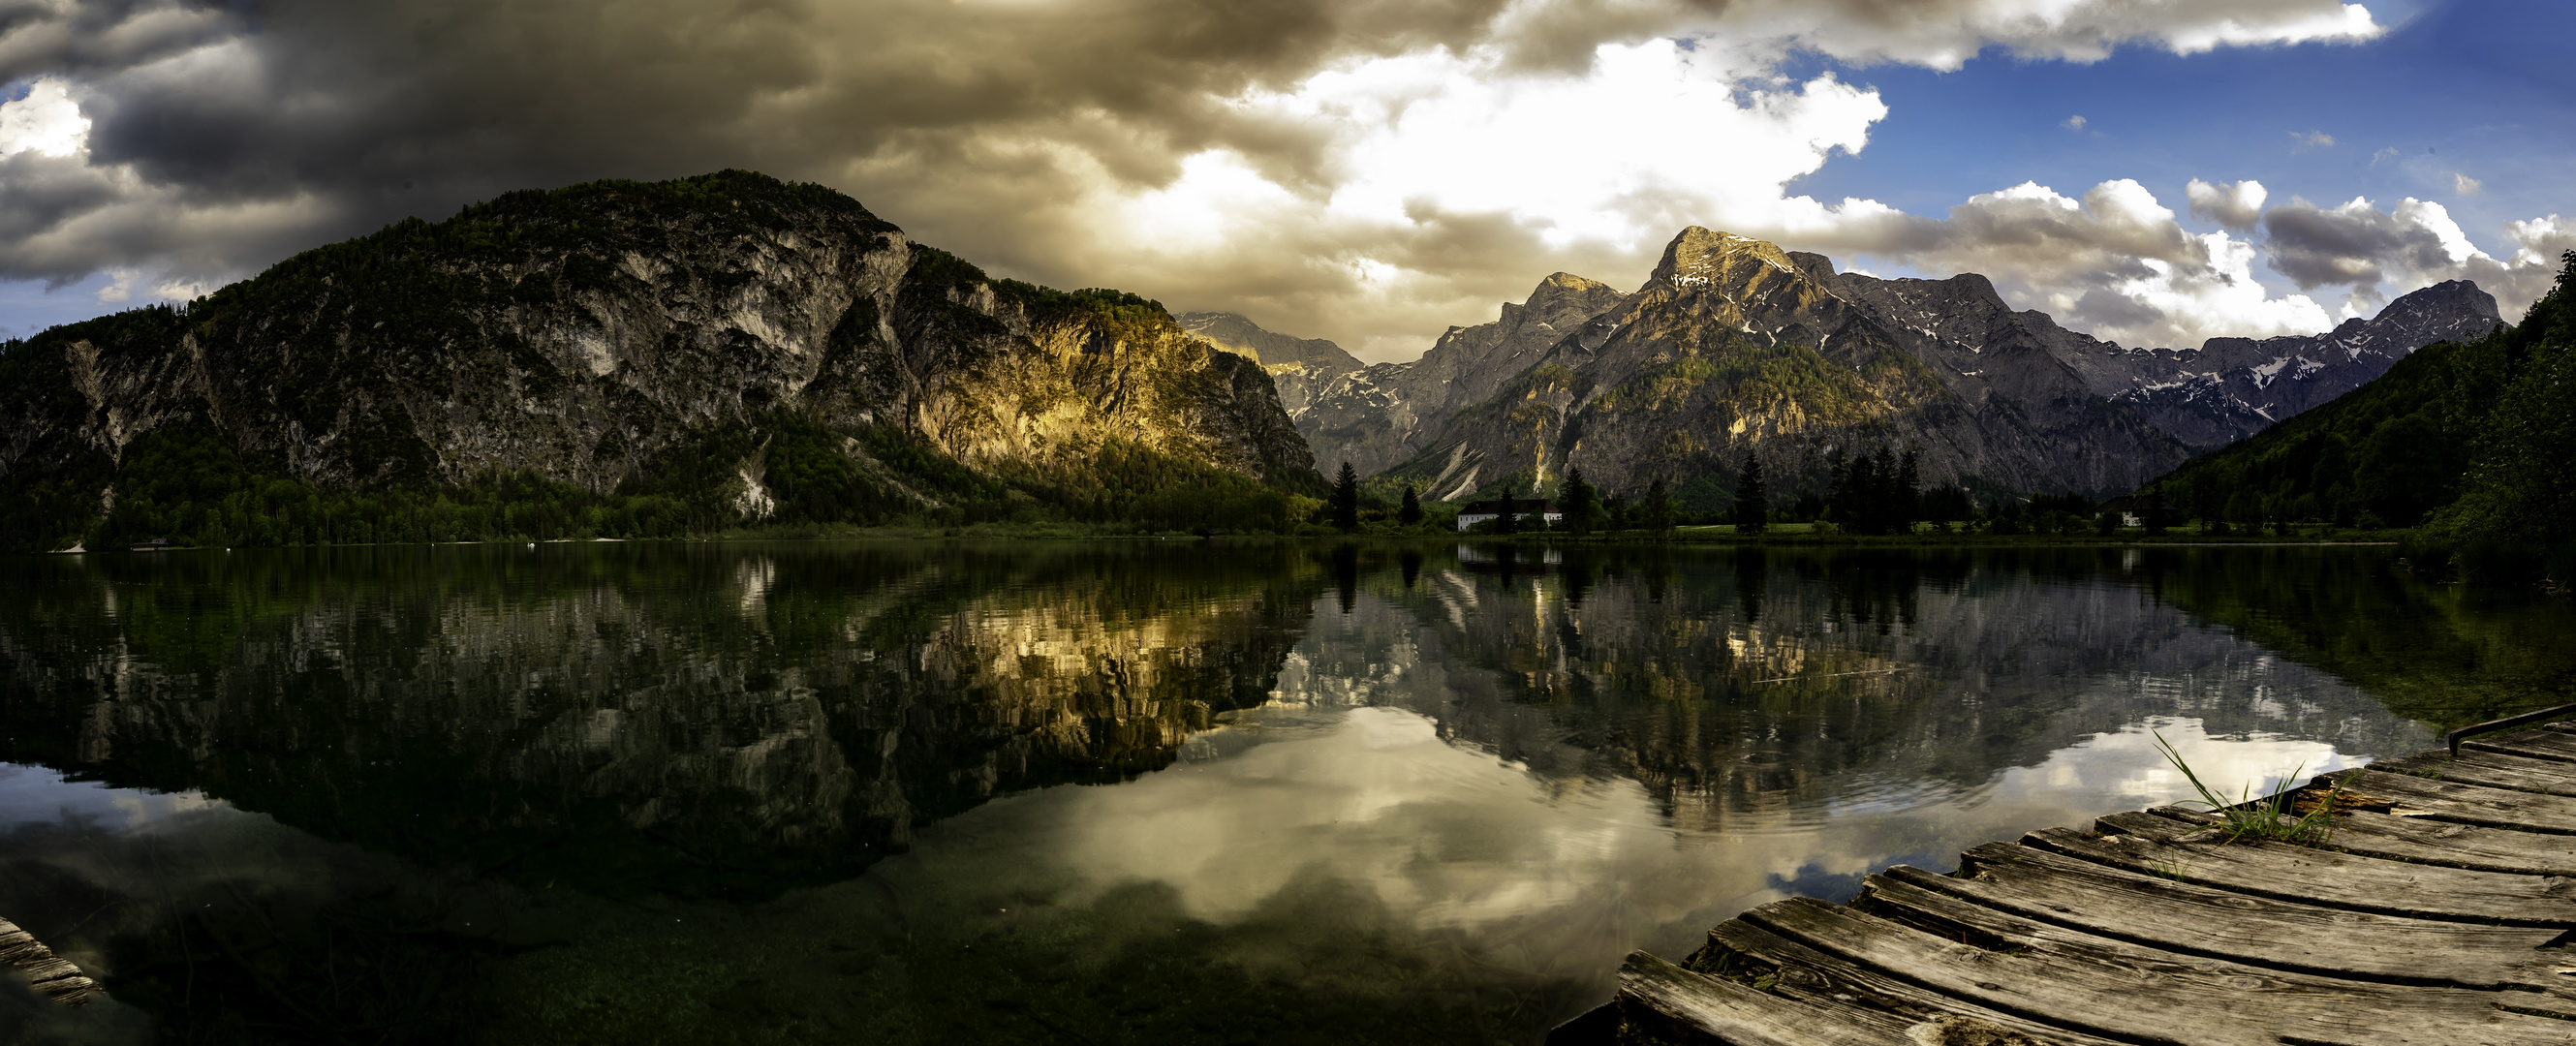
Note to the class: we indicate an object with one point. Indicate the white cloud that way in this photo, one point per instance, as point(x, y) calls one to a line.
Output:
point(2303, 141)
point(120, 289)
point(2115, 264)
point(45, 121)
point(2467, 186)
point(2074, 123)
point(2237, 205)
point(2416, 243)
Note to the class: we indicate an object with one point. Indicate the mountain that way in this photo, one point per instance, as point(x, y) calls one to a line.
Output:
point(1300, 367)
point(1376, 417)
point(629, 358)
point(1734, 345)
point(2039, 407)
point(2231, 388)
point(2473, 435)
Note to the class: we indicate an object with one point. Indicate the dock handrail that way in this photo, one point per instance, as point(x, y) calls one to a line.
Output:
point(2453, 739)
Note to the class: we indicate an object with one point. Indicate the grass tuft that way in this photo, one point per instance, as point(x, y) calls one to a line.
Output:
point(2262, 820)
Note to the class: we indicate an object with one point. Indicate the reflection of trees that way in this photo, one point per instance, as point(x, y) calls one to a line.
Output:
point(1744, 683)
point(631, 717)
point(2446, 654)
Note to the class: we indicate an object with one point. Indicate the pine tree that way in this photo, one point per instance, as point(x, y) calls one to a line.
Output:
point(1752, 501)
point(1411, 513)
point(1907, 505)
point(1509, 523)
point(1658, 507)
point(1581, 502)
point(1346, 499)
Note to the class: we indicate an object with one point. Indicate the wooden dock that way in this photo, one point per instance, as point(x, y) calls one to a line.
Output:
point(52, 976)
point(2440, 910)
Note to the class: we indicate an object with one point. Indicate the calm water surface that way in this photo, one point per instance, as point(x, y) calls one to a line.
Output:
point(1134, 792)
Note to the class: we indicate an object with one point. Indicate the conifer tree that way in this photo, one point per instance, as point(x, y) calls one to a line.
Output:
point(1508, 523)
point(1658, 507)
point(1411, 513)
point(1907, 505)
point(1752, 502)
point(1346, 499)
point(1581, 501)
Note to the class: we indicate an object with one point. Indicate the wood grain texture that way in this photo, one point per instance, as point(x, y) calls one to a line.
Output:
point(2489, 769)
point(1811, 975)
point(2146, 843)
point(2264, 931)
point(2431, 842)
point(1677, 1005)
point(50, 975)
point(2462, 802)
point(2113, 992)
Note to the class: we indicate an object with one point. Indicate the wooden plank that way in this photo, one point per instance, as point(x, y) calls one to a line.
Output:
point(1806, 974)
point(2430, 842)
point(1915, 902)
point(2460, 801)
point(2318, 877)
point(2263, 931)
point(2490, 769)
point(2533, 744)
point(1677, 1005)
point(51, 975)
point(2140, 995)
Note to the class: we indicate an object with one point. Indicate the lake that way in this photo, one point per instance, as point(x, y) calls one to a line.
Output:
point(1143, 791)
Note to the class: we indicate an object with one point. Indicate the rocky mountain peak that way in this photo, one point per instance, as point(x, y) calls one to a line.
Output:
point(1699, 257)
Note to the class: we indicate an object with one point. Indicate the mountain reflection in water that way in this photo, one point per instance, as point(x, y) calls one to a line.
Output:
point(801, 792)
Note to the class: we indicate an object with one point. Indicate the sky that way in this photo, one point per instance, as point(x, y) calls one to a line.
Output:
point(2155, 172)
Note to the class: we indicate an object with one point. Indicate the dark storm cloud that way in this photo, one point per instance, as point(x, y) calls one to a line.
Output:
point(387, 108)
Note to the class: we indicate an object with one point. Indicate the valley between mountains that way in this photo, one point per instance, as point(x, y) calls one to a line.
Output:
point(626, 359)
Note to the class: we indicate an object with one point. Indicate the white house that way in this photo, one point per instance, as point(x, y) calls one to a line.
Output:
point(1480, 511)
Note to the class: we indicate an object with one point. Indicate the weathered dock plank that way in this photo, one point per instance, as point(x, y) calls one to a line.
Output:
point(1816, 977)
point(2489, 769)
point(2532, 744)
point(2463, 802)
point(2067, 987)
point(51, 975)
point(2439, 910)
point(1683, 1006)
point(2262, 931)
point(2450, 845)
point(2318, 877)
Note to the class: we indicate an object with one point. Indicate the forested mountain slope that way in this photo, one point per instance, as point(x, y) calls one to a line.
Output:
point(2475, 437)
point(621, 358)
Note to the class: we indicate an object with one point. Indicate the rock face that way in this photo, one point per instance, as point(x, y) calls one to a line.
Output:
point(590, 332)
point(1734, 346)
point(1300, 367)
point(1377, 417)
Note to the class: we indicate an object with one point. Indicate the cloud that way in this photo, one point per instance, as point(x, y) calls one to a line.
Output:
point(2467, 186)
point(2115, 263)
point(2413, 244)
point(44, 121)
point(2303, 141)
point(2236, 205)
point(2074, 123)
point(1366, 170)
